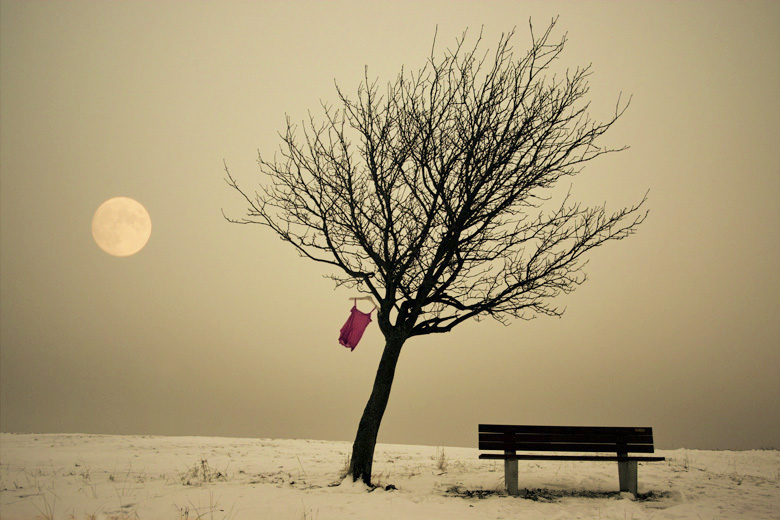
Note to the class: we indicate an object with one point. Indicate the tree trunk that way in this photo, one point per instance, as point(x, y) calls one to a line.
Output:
point(363, 449)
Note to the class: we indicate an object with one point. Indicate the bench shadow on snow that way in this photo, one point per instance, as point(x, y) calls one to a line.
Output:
point(554, 495)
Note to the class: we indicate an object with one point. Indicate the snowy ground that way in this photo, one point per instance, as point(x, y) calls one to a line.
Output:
point(127, 477)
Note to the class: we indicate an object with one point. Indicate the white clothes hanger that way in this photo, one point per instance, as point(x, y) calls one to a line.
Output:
point(367, 298)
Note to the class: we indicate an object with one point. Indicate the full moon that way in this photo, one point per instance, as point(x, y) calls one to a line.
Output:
point(121, 226)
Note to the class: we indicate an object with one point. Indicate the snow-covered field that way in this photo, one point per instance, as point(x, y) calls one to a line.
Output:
point(128, 477)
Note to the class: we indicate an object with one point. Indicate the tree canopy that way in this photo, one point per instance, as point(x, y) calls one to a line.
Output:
point(429, 193)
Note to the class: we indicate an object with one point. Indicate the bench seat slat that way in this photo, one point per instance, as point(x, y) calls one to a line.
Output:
point(571, 437)
point(508, 428)
point(567, 446)
point(501, 456)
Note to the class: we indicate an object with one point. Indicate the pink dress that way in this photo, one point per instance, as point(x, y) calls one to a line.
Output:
point(353, 329)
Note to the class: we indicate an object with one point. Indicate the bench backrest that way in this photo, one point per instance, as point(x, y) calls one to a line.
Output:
point(604, 439)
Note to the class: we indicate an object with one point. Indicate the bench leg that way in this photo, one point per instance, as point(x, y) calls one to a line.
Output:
point(627, 476)
point(510, 474)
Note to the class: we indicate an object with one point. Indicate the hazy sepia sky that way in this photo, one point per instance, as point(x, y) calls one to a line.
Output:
point(219, 329)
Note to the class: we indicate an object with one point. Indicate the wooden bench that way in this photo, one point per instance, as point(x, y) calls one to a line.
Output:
point(582, 439)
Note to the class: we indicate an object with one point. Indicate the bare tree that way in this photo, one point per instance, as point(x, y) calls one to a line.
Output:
point(430, 195)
